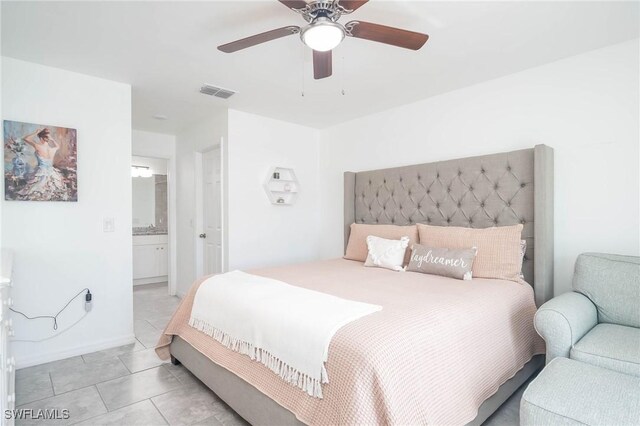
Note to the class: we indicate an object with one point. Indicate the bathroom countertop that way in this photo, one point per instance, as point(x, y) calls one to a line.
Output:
point(143, 232)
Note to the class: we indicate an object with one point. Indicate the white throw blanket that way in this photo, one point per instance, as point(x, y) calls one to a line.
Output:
point(286, 328)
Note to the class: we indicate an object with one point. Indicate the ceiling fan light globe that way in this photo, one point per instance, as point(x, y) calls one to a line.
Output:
point(322, 36)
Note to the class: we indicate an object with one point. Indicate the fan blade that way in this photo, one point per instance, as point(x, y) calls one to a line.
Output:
point(388, 35)
point(234, 46)
point(322, 64)
point(294, 4)
point(352, 4)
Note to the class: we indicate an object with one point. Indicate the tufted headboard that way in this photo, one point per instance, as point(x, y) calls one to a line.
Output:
point(479, 192)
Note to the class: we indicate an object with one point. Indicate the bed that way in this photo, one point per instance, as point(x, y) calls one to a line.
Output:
point(368, 386)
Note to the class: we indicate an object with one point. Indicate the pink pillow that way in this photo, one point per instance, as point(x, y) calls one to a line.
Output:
point(357, 246)
point(498, 247)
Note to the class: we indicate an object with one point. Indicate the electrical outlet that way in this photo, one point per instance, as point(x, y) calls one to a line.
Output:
point(108, 224)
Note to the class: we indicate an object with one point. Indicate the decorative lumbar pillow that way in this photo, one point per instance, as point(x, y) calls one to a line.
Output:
point(357, 247)
point(498, 247)
point(386, 253)
point(454, 263)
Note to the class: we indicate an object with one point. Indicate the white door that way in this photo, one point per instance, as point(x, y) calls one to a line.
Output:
point(212, 218)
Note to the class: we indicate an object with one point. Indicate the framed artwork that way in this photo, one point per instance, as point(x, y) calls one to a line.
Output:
point(40, 162)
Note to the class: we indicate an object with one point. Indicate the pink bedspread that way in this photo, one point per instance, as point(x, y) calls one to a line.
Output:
point(435, 352)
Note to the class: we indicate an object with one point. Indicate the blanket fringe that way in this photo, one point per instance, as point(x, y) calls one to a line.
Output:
point(312, 386)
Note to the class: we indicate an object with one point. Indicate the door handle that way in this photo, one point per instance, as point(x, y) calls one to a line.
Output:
point(202, 235)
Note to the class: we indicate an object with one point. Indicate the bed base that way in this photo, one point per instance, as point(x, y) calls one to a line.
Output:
point(258, 409)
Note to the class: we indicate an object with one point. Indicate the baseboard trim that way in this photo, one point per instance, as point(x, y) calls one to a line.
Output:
point(36, 359)
point(152, 280)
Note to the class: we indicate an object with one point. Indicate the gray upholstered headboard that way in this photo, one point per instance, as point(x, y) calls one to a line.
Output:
point(491, 190)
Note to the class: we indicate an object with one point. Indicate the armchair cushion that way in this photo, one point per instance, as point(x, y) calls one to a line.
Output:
point(612, 282)
point(611, 346)
point(569, 392)
point(563, 320)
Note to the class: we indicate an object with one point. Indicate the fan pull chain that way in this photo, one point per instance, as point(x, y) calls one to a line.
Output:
point(342, 67)
point(302, 49)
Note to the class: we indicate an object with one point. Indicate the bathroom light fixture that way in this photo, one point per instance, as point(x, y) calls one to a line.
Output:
point(322, 34)
point(141, 171)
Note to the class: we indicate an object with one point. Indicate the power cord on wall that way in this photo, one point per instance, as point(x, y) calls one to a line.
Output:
point(87, 307)
point(44, 339)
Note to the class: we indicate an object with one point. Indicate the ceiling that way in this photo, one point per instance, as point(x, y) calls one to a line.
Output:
point(166, 50)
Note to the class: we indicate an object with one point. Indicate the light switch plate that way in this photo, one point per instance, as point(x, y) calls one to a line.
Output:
point(108, 224)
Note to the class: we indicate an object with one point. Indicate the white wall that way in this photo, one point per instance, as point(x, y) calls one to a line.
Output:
point(585, 107)
point(201, 135)
point(155, 145)
point(60, 247)
point(260, 233)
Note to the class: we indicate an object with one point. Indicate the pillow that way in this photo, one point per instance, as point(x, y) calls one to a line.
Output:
point(453, 263)
point(386, 253)
point(357, 246)
point(498, 247)
point(523, 250)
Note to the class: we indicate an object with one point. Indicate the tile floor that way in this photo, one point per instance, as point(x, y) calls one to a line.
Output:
point(129, 385)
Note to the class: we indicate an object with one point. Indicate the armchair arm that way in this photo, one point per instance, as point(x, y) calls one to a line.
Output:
point(564, 320)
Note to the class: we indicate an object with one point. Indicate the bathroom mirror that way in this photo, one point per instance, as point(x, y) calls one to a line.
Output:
point(149, 196)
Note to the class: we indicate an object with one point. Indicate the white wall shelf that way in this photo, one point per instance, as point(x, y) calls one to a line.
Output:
point(282, 186)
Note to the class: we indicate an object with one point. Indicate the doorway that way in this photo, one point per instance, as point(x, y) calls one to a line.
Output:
point(210, 233)
point(150, 213)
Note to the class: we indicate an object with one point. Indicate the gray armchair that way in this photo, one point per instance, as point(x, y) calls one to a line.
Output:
point(599, 321)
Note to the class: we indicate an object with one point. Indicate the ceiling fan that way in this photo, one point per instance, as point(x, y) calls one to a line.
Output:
point(323, 31)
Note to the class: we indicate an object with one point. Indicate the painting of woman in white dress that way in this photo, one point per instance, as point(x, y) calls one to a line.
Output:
point(40, 162)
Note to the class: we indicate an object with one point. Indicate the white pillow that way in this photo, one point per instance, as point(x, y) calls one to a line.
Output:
point(386, 253)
